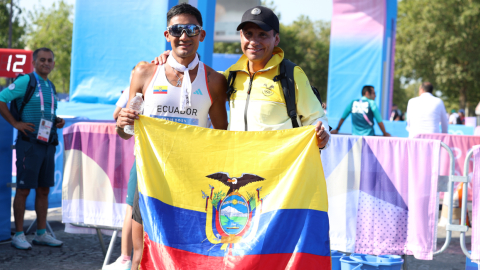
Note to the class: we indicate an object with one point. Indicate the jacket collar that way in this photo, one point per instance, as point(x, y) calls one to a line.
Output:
point(242, 63)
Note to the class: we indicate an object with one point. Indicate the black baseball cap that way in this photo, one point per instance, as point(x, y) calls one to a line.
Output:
point(261, 16)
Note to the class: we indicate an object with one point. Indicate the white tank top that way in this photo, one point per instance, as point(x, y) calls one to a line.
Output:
point(162, 100)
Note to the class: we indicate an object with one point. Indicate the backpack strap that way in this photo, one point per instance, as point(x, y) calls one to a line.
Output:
point(29, 92)
point(317, 94)
point(287, 80)
point(230, 82)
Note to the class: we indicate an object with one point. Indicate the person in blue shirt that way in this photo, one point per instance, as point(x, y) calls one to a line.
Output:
point(363, 111)
point(35, 146)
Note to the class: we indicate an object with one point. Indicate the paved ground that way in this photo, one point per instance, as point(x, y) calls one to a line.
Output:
point(81, 251)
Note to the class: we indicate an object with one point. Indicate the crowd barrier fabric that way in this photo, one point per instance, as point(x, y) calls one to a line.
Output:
point(382, 195)
point(476, 206)
point(55, 195)
point(477, 131)
point(213, 199)
point(97, 168)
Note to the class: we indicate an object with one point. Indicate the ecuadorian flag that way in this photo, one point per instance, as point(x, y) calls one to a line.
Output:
point(213, 199)
point(158, 89)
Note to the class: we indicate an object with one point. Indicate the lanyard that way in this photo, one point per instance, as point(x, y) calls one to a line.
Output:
point(42, 106)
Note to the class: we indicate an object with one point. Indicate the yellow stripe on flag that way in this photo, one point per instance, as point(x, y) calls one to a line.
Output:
point(160, 87)
point(174, 160)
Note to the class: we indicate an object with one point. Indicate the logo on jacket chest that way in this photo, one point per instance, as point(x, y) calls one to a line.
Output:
point(267, 90)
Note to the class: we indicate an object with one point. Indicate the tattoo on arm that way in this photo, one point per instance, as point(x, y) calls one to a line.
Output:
point(208, 77)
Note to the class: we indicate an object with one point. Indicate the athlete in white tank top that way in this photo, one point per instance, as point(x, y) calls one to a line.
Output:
point(162, 99)
point(207, 96)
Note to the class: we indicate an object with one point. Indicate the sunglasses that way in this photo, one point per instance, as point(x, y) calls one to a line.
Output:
point(191, 30)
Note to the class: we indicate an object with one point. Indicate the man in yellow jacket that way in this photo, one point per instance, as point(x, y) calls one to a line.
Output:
point(257, 102)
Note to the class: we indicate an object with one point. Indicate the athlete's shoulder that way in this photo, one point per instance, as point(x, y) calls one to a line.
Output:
point(217, 83)
point(214, 79)
point(145, 70)
point(214, 75)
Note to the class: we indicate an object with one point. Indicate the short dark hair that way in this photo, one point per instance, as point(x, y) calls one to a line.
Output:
point(35, 53)
point(427, 87)
point(184, 8)
point(367, 88)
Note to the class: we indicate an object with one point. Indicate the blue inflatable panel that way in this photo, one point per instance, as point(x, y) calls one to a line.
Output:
point(222, 62)
point(6, 131)
point(361, 52)
point(86, 110)
point(109, 39)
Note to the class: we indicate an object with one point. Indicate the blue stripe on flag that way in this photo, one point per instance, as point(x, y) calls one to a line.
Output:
point(280, 231)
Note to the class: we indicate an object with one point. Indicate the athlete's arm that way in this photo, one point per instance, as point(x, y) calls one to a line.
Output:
point(379, 119)
point(217, 85)
point(382, 128)
point(346, 112)
point(140, 80)
point(310, 109)
point(137, 237)
point(116, 112)
point(340, 123)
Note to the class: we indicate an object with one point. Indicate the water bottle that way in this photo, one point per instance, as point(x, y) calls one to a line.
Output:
point(136, 105)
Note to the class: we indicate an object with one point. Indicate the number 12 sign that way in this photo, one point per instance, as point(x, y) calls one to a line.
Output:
point(14, 62)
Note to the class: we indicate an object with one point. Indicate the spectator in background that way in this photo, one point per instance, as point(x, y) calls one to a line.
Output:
point(453, 118)
point(35, 145)
point(122, 101)
point(461, 117)
point(363, 111)
point(396, 114)
point(425, 112)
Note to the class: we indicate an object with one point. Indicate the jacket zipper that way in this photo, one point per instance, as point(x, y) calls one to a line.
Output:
point(248, 95)
point(248, 99)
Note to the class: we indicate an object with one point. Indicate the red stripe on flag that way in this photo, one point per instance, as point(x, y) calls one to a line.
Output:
point(157, 256)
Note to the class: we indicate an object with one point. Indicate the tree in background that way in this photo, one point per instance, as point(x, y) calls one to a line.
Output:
point(439, 41)
point(307, 44)
point(17, 29)
point(52, 28)
point(403, 92)
point(227, 47)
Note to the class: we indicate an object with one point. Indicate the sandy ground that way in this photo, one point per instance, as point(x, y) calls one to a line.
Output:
point(83, 251)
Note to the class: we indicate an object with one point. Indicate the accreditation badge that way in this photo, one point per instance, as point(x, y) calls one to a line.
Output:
point(44, 130)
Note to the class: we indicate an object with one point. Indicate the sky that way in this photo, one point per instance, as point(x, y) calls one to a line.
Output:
point(289, 9)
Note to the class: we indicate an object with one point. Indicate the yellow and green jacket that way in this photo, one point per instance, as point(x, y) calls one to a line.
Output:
point(259, 104)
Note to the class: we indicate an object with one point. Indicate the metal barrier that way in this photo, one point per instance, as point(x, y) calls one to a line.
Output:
point(445, 184)
point(106, 253)
point(449, 181)
point(464, 210)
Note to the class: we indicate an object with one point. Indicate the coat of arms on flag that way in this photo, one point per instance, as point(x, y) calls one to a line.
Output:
point(213, 199)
